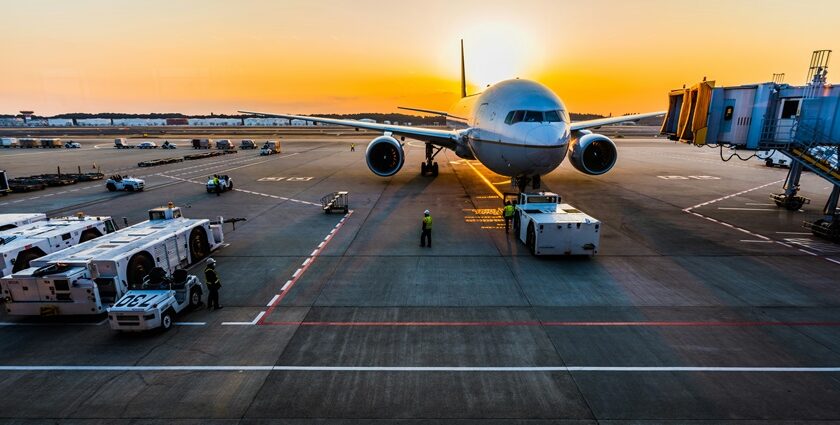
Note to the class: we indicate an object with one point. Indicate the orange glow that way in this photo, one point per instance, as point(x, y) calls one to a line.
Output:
point(202, 56)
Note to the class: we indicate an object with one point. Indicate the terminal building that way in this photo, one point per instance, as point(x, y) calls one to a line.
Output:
point(803, 122)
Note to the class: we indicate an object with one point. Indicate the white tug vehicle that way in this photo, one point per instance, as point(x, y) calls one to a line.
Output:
point(22, 244)
point(129, 184)
point(547, 227)
point(89, 277)
point(10, 221)
point(157, 303)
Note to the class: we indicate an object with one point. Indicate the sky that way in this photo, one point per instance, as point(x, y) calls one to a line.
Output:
point(329, 56)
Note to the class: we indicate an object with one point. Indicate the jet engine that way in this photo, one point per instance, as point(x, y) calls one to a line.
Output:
point(591, 153)
point(384, 156)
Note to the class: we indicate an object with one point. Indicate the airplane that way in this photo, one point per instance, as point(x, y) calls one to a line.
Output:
point(516, 128)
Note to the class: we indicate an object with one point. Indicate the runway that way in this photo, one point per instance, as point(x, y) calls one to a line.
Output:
point(705, 304)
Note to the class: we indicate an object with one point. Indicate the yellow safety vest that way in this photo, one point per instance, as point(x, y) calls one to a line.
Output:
point(508, 211)
point(427, 222)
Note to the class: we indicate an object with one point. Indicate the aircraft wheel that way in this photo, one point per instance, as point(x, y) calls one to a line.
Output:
point(435, 169)
point(422, 168)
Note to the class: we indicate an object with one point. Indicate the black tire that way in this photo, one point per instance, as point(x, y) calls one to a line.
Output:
point(195, 297)
point(531, 239)
point(422, 168)
point(129, 188)
point(138, 267)
point(24, 257)
point(199, 248)
point(768, 162)
point(435, 169)
point(111, 187)
point(167, 320)
point(89, 235)
point(230, 187)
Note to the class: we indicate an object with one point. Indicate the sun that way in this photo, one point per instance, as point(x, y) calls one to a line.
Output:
point(497, 52)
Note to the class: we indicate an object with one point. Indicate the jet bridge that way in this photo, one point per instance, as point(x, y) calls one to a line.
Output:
point(801, 121)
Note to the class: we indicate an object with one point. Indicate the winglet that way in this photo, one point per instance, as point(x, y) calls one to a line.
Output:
point(463, 74)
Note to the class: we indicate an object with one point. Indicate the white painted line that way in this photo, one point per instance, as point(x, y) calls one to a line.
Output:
point(833, 260)
point(757, 241)
point(794, 233)
point(782, 243)
point(271, 303)
point(808, 252)
point(305, 262)
point(296, 273)
point(288, 282)
point(257, 319)
point(758, 203)
point(237, 323)
point(748, 209)
point(518, 369)
point(100, 323)
point(189, 323)
point(320, 245)
point(314, 252)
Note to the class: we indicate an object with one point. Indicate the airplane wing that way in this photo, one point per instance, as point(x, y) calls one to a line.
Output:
point(582, 125)
point(446, 138)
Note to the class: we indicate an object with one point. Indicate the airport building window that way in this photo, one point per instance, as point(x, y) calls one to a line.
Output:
point(790, 108)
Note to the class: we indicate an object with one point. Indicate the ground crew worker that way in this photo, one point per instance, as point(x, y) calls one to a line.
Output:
point(427, 229)
point(213, 285)
point(218, 184)
point(352, 147)
point(507, 213)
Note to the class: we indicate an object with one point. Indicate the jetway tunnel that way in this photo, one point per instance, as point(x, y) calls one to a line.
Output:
point(803, 122)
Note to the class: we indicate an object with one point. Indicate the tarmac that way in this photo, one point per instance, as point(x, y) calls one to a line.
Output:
point(706, 303)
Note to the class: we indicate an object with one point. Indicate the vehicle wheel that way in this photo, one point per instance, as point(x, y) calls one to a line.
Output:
point(435, 169)
point(422, 168)
point(23, 259)
point(531, 238)
point(129, 188)
point(138, 267)
point(111, 187)
point(230, 186)
point(768, 162)
point(89, 234)
point(199, 248)
point(195, 298)
point(167, 320)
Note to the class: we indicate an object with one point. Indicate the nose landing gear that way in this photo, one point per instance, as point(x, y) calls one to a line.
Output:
point(429, 167)
point(522, 182)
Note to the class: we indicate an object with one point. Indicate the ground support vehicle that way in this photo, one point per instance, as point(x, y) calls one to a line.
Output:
point(773, 158)
point(4, 183)
point(225, 144)
point(22, 244)
point(9, 142)
point(26, 184)
point(122, 144)
point(247, 144)
point(89, 277)
point(168, 145)
point(225, 182)
point(157, 303)
point(547, 227)
point(54, 180)
point(126, 183)
point(28, 143)
point(202, 143)
point(72, 145)
point(147, 145)
point(10, 221)
point(336, 202)
point(270, 147)
point(86, 177)
point(51, 143)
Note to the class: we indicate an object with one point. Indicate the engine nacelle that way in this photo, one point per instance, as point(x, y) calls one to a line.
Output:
point(592, 154)
point(384, 156)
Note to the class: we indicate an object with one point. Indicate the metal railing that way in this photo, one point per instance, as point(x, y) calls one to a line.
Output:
point(805, 141)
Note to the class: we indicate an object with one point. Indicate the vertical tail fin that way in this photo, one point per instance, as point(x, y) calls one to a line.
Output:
point(463, 76)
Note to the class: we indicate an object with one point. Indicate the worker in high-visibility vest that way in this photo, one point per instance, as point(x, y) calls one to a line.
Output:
point(426, 233)
point(217, 184)
point(507, 213)
point(213, 285)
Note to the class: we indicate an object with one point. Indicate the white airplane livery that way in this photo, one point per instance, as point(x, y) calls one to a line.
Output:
point(516, 128)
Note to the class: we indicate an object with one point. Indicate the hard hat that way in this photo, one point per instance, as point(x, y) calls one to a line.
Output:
point(211, 261)
point(426, 212)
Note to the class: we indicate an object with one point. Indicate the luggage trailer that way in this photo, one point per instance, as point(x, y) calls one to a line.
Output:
point(89, 277)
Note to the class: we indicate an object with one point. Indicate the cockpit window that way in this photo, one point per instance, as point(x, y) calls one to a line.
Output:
point(514, 117)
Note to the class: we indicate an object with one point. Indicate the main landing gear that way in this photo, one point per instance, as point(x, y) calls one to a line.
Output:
point(522, 182)
point(429, 167)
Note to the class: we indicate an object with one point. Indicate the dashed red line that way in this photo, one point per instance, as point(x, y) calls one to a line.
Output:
point(302, 270)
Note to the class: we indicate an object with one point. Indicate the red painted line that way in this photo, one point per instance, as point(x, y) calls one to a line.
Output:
point(557, 324)
point(301, 271)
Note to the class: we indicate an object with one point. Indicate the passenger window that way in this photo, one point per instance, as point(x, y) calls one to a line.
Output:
point(533, 116)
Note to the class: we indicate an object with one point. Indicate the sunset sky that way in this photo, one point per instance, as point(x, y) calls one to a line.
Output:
point(202, 56)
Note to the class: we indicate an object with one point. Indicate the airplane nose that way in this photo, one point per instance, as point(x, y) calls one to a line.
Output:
point(548, 145)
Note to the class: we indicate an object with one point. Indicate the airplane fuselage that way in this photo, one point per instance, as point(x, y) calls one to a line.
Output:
point(515, 127)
